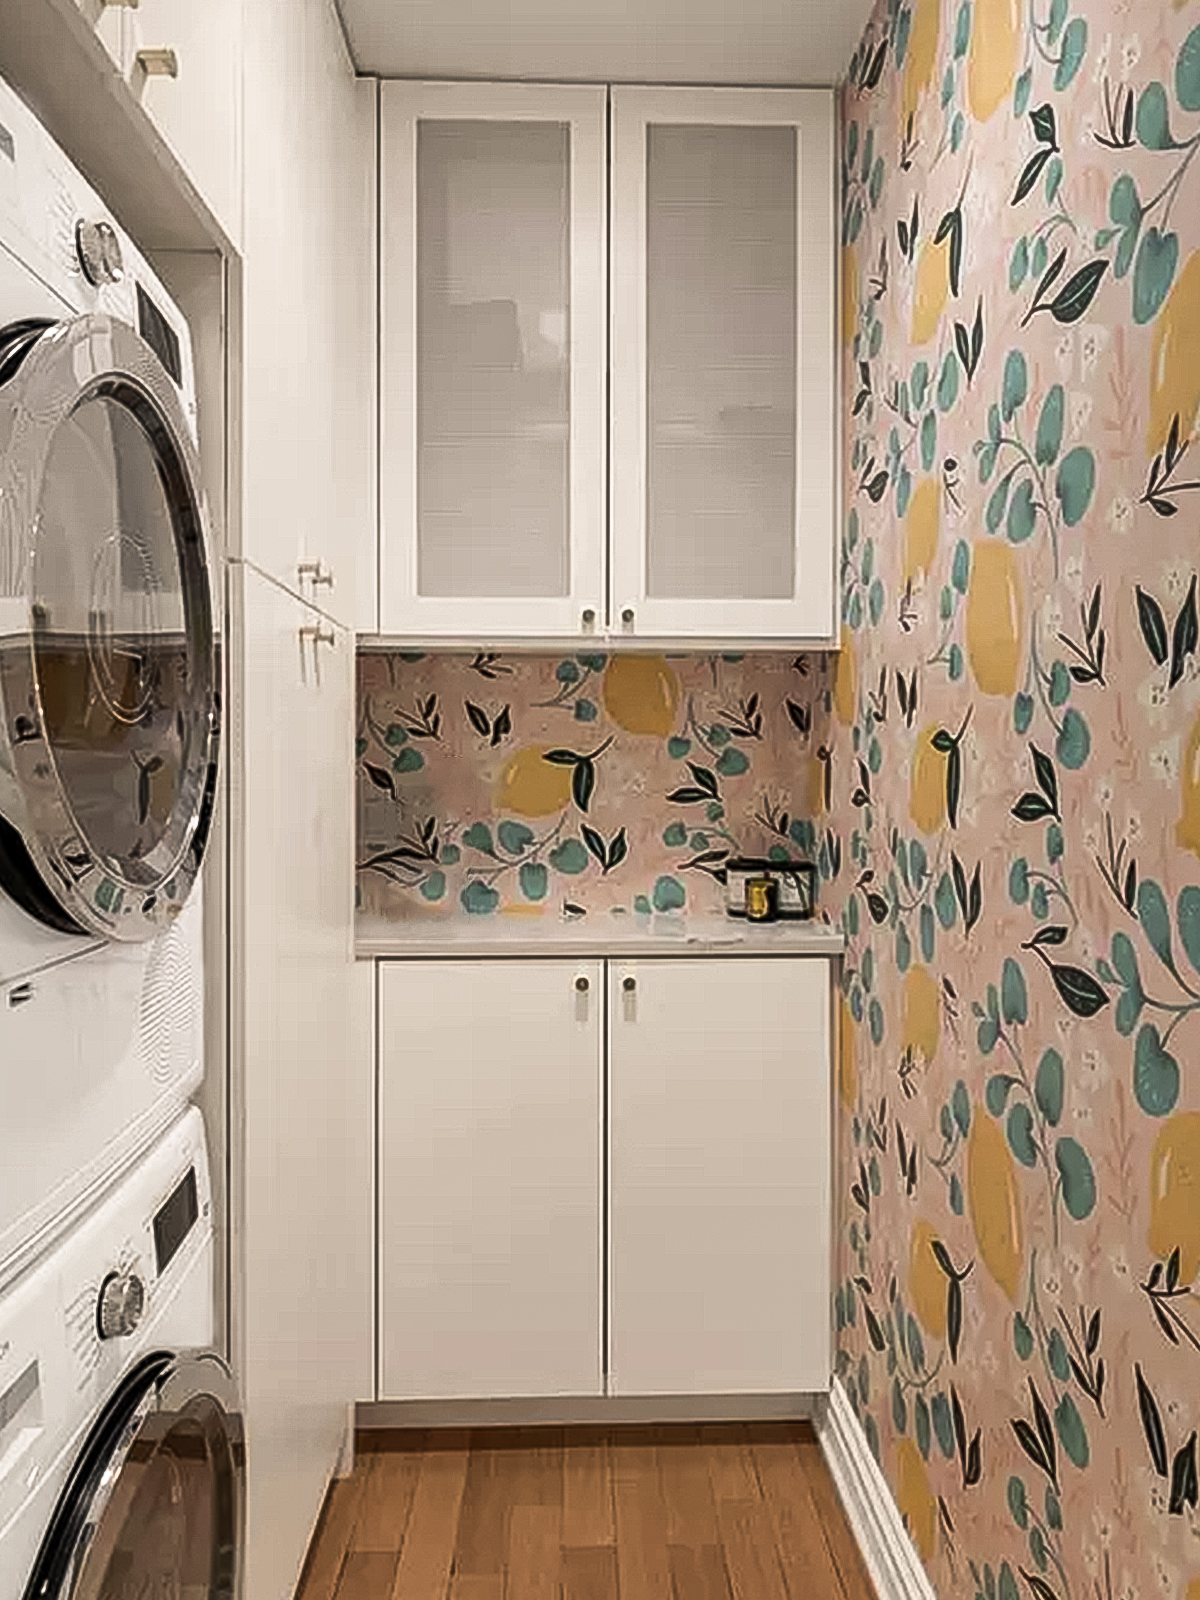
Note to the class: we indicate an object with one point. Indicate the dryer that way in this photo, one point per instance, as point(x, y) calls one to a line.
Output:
point(109, 694)
point(121, 1442)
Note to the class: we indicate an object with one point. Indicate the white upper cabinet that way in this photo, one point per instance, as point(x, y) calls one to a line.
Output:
point(723, 377)
point(493, 360)
point(667, 477)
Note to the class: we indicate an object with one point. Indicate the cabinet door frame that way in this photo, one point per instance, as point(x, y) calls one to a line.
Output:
point(810, 613)
point(401, 609)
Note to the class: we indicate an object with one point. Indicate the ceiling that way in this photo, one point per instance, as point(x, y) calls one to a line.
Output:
point(607, 41)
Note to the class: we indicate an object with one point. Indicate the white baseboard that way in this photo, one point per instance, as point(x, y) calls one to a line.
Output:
point(344, 1466)
point(895, 1567)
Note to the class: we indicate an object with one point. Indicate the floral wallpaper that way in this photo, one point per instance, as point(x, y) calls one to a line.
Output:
point(1016, 788)
point(563, 785)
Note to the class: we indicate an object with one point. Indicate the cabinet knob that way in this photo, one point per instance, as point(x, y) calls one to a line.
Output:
point(589, 619)
point(629, 985)
point(315, 572)
point(627, 616)
point(582, 985)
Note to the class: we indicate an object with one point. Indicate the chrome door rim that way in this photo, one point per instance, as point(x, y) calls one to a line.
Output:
point(88, 357)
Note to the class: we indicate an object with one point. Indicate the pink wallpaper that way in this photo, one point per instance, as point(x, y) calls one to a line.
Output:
point(1017, 1304)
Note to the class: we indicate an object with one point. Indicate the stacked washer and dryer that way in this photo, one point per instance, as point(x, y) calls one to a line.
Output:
point(121, 1454)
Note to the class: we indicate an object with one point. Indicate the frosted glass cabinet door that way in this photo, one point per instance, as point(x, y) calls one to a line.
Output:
point(490, 1140)
point(492, 343)
point(719, 1176)
point(723, 398)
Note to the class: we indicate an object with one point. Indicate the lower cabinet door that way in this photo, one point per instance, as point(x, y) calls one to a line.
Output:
point(719, 1176)
point(490, 1178)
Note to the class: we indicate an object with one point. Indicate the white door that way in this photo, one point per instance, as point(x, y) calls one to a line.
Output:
point(490, 1178)
point(492, 345)
point(301, 1127)
point(719, 1176)
point(723, 375)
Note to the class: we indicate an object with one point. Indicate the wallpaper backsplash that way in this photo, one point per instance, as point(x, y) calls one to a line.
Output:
point(552, 785)
point(1016, 788)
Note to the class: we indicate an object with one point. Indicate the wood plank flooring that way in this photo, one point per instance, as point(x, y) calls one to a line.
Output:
point(681, 1512)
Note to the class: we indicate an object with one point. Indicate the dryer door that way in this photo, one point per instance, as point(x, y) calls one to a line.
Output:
point(108, 674)
point(155, 1503)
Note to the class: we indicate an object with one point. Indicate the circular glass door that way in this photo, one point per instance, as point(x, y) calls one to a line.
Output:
point(154, 1505)
point(108, 672)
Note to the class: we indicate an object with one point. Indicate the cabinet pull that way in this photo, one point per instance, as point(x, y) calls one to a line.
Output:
point(627, 619)
point(589, 620)
point(582, 985)
point(316, 636)
point(629, 985)
point(316, 574)
point(629, 998)
point(157, 63)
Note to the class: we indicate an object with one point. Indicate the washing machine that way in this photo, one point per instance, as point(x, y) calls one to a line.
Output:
point(122, 1459)
point(109, 694)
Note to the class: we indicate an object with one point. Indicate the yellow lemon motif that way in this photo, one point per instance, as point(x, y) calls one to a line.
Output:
point(931, 290)
point(922, 1012)
point(847, 1058)
point(921, 529)
point(1187, 829)
point(849, 294)
point(1174, 369)
point(926, 1280)
point(1175, 1193)
point(1193, 1592)
point(994, 608)
point(641, 694)
point(992, 62)
point(922, 54)
point(995, 1203)
point(927, 788)
point(913, 1496)
point(845, 683)
point(530, 786)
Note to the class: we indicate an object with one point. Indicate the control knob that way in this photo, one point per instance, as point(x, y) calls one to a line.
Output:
point(99, 252)
point(121, 1305)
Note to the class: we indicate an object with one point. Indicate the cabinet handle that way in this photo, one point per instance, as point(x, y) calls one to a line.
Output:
point(629, 985)
point(582, 985)
point(157, 63)
point(589, 620)
point(316, 636)
point(627, 618)
point(316, 574)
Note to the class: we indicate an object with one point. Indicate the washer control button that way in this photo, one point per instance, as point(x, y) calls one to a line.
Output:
point(99, 252)
point(121, 1305)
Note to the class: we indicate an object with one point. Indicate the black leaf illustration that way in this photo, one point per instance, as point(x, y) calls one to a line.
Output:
point(1183, 1479)
point(1032, 808)
point(801, 717)
point(960, 883)
point(686, 796)
point(1043, 124)
point(1130, 885)
point(1151, 1424)
point(1183, 643)
point(877, 487)
point(974, 1468)
point(381, 779)
point(502, 726)
point(562, 758)
point(705, 779)
point(975, 899)
point(1045, 1432)
point(594, 842)
point(478, 718)
point(1173, 1270)
point(877, 906)
point(1079, 990)
point(1028, 1441)
point(1031, 174)
point(1077, 294)
point(1039, 1586)
point(942, 1256)
point(1093, 1334)
point(874, 1331)
point(977, 337)
point(953, 784)
point(617, 851)
point(583, 782)
point(954, 1312)
point(875, 71)
point(1046, 777)
point(1093, 616)
point(960, 1427)
point(1051, 933)
point(962, 343)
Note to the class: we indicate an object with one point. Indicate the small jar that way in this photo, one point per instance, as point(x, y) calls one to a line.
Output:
point(761, 899)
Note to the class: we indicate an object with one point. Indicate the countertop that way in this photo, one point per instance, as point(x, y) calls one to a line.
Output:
point(597, 935)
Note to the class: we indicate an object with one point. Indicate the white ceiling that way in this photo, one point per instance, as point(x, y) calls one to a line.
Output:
point(607, 41)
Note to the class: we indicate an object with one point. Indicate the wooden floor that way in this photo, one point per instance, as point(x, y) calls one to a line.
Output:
point(722, 1512)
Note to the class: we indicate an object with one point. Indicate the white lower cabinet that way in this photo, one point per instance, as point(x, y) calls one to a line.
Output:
point(490, 1177)
point(533, 1112)
point(719, 1176)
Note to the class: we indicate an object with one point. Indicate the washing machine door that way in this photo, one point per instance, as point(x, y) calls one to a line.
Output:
point(155, 1502)
point(109, 726)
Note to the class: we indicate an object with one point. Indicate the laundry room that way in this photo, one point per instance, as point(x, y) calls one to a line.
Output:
point(599, 800)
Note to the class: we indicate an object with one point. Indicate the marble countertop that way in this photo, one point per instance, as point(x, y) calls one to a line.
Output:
point(547, 934)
